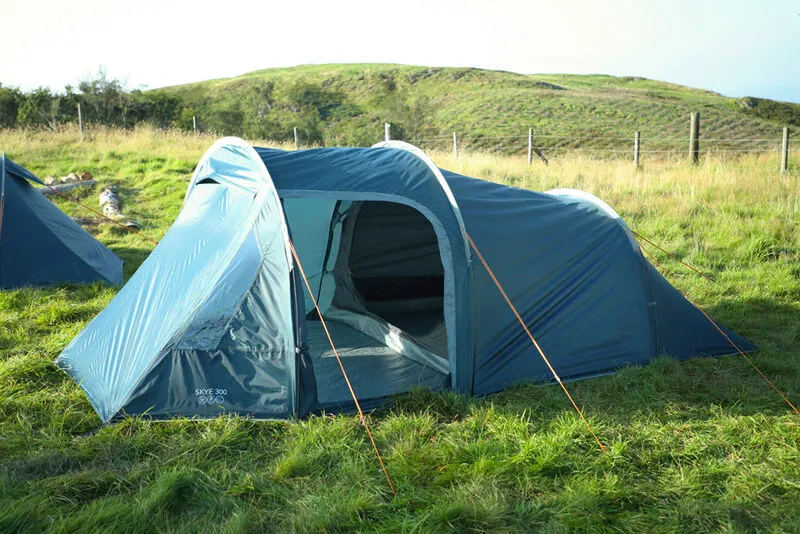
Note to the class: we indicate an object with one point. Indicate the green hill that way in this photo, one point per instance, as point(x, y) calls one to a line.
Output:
point(348, 104)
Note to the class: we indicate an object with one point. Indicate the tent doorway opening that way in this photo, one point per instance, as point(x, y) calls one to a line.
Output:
point(377, 273)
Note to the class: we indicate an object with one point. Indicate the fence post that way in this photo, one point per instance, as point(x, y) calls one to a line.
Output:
point(387, 136)
point(785, 150)
point(530, 146)
point(694, 137)
point(80, 120)
point(194, 123)
point(455, 145)
point(636, 146)
point(296, 139)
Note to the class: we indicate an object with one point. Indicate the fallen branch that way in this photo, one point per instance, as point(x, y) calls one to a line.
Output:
point(60, 188)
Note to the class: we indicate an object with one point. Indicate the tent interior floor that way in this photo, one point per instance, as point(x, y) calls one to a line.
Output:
point(374, 369)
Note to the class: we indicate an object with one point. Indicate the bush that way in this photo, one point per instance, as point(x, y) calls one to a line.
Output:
point(9, 106)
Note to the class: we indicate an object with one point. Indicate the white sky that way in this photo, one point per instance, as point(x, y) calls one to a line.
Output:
point(736, 47)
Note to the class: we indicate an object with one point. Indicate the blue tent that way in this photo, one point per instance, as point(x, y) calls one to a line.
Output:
point(39, 244)
point(217, 319)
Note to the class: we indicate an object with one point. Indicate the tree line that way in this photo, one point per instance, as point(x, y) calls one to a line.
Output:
point(263, 110)
point(103, 101)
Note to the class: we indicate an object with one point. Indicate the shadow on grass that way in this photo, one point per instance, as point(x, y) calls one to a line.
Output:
point(668, 390)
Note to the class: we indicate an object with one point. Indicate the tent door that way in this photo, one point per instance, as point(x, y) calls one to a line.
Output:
point(380, 286)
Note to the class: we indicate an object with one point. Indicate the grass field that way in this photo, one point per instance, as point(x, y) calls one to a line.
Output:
point(699, 446)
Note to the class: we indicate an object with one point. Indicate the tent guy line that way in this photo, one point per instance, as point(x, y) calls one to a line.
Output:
point(361, 416)
point(673, 256)
point(676, 258)
point(533, 340)
point(721, 331)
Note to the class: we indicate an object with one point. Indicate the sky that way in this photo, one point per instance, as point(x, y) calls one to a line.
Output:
point(735, 47)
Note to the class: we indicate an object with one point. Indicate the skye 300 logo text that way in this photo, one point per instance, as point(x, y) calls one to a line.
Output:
point(210, 395)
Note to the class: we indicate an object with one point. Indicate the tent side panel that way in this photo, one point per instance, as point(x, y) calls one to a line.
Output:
point(310, 222)
point(307, 400)
point(112, 354)
point(166, 340)
point(266, 318)
point(683, 331)
point(680, 329)
point(240, 346)
point(211, 322)
point(208, 383)
point(572, 274)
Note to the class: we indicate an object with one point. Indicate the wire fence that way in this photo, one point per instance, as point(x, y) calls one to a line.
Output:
point(606, 141)
point(599, 144)
point(657, 148)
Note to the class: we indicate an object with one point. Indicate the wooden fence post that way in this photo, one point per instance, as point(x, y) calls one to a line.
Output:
point(455, 145)
point(636, 146)
point(296, 139)
point(530, 146)
point(194, 123)
point(694, 138)
point(533, 150)
point(387, 136)
point(785, 150)
point(80, 120)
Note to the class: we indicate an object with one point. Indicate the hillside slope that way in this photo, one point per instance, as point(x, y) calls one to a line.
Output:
point(348, 104)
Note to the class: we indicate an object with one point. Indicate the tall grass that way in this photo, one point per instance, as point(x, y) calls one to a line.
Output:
point(698, 446)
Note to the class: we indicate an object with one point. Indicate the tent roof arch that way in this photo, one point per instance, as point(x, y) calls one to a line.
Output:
point(233, 162)
point(392, 173)
point(584, 197)
point(437, 173)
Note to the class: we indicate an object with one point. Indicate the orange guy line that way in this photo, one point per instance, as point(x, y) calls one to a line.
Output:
point(533, 340)
point(341, 366)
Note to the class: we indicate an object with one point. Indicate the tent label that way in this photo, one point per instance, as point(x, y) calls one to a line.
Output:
point(210, 395)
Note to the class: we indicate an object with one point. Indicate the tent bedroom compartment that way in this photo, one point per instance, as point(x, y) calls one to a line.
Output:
point(218, 319)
